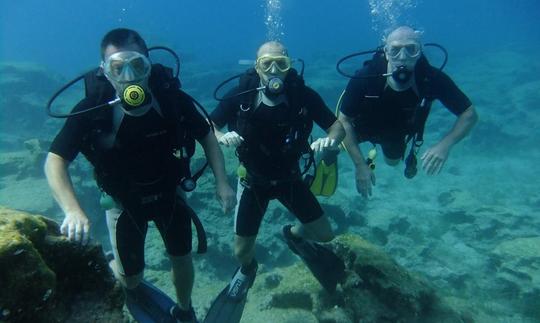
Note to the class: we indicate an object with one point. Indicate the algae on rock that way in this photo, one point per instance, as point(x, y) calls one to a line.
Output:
point(46, 278)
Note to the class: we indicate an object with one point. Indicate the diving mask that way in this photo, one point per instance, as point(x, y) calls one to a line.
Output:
point(411, 50)
point(266, 62)
point(127, 67)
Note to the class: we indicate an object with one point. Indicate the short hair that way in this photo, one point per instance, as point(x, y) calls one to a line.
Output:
point(122, 37)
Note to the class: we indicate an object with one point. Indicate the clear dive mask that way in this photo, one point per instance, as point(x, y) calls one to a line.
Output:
point(266, 62)
point(128, 71)
point(410, 50)
point(127, 67)
point(403, 57)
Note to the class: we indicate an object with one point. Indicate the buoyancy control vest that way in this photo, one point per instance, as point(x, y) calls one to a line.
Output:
point(108, 157)
point(374, 88)
point(298, 124)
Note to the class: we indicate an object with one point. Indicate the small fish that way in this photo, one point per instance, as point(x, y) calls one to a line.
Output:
point(18, 252)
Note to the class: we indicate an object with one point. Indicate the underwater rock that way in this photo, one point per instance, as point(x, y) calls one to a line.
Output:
point(375, 289)
point(457, 199)
point(25, 88)
point(23, 185)
point(10, 162)
point(22, 177)
point(23, 164)
point(518, 273)
point(33, 165)
point(46, 278)
point(520, 259)
point(401, 295)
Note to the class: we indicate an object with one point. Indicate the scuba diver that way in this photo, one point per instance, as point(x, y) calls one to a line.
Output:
point(270, 116)
point(387, 102)
point(138, 130)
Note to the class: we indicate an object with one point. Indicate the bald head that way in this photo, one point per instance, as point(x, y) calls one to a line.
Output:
point(272, 48)
point(404, 34)
point(271, 62)
point(402, 50)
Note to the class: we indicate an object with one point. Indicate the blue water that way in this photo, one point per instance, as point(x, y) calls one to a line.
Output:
point(493, 46)
point(65, 35)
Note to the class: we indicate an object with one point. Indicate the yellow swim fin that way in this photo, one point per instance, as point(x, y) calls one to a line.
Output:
point(326, 175)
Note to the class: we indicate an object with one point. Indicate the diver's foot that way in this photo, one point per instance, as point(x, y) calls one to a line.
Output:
point(183, 316)
point(242, 281)
point(300, 246)
point(323, 263)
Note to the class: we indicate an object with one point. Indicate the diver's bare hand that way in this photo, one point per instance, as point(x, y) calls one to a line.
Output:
point(434, 158)
point(323, 144)
point(226, 196)
point(231, 139)
point(76, 227)
point(365, 179)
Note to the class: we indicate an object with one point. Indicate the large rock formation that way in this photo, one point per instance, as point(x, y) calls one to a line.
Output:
point(375, 289)
point(46, 278)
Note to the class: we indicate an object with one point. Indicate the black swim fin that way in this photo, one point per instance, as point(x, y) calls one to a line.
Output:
point(148, 304)
point(326, 174)
point(323, 263)
point(227, 308)
point(224, 309)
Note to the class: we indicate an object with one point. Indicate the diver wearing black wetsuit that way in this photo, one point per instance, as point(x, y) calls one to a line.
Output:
point(270, 129)
point(388, 104)
point(270, 153)
point(386, 118)
point(139, 139)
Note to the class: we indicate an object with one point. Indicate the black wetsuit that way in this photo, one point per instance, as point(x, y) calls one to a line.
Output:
point(273, 170)
point(384, 116)
point(138, 170)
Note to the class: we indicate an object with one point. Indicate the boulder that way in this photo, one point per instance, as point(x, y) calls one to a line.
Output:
point(46, 278)
point(375, 289)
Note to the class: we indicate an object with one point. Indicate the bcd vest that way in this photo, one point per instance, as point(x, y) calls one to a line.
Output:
point(109, 160)
point(297, 126)
point(374, 88)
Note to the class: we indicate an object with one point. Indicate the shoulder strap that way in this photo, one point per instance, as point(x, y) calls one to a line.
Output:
point(248, 81)
point(165, 86)
point(295, 87)
point(97, 87)
point(98, 90)
point(377, 65)
point(164, 78)
point(424, 73)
